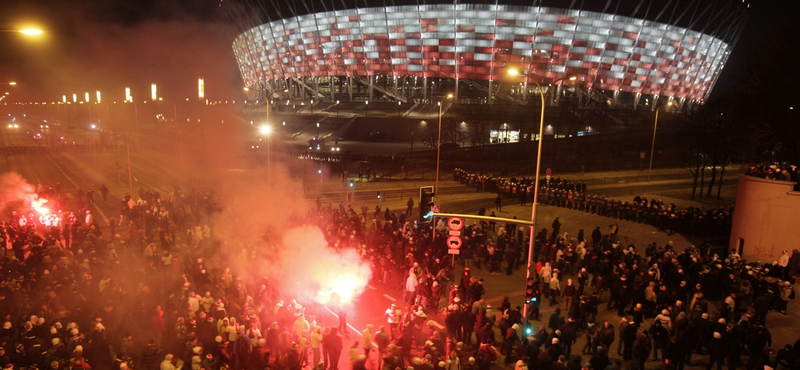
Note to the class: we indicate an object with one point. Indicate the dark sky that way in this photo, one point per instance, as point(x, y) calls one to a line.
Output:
point(109, 44)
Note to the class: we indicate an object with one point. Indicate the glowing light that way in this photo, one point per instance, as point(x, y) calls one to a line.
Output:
point(153, 92)
point(38, 205)
point(86, 97)
point(97, 94)
point(315, 279)
point(31, 31)
point(128, 96)
point(201, 88)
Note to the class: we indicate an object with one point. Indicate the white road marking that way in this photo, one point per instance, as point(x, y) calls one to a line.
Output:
point(436, 324)
point(389, 297)
point(371, 287)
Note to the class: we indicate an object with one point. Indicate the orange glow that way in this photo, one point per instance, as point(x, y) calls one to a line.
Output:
point(38, 205)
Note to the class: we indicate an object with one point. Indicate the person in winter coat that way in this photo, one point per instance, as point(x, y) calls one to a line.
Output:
point(169, 363)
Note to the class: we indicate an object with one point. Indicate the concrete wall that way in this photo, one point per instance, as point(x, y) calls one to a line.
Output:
point(766, 218)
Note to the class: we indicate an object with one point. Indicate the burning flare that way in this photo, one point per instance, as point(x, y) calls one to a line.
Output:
point(38, 205)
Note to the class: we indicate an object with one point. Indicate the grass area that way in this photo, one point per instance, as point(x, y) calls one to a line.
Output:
point(683, 197)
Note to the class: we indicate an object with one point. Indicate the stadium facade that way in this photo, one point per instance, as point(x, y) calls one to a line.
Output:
point(416, 52)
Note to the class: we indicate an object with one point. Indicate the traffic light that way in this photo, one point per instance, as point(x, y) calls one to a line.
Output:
point(531, 291)
point(379, 195)
point(352, 183)
point(426, 203)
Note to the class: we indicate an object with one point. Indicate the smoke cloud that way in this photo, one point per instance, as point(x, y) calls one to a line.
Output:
point(319, 273)
point(264, 230)
point(14, 188)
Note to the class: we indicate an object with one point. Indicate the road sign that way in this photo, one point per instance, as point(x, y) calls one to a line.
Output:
point(453, 242)
point(548, 172)
point(436, 208)
point(453, 251)
point(455, 232)
point(455, 223)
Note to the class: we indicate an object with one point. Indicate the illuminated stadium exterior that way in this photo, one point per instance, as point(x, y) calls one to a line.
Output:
point(415, 52)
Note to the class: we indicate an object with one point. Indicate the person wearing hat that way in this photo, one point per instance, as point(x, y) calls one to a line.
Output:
point(716, 351)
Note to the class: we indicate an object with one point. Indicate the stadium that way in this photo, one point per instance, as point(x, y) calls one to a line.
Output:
point(623, 53)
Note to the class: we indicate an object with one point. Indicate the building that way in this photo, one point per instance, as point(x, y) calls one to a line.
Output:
point(765, 218)
point(626, 53)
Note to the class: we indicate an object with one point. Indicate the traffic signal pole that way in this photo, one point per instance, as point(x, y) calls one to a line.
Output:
point(484, 218)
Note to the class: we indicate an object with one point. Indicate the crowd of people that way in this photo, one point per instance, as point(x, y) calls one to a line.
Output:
point(712, 222)
point(776, 172)
point(140, 294)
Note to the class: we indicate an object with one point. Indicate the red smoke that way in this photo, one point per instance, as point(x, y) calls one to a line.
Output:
point(313, 271)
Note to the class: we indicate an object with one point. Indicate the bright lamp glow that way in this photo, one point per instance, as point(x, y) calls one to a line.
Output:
point(31, 31)
point(266, 130)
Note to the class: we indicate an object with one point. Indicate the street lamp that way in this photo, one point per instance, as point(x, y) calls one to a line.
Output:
point(337, 108)
point(515, 72)
point(266, 130)
point(317, 138)
point(439, 144)
point(366, 110)
point(653, 146)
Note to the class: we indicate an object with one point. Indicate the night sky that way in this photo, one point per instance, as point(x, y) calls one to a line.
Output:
point(106, 45)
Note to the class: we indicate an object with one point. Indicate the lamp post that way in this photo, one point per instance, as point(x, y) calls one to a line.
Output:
point(266, 130)
point(515, 72)
point(317, 131)
point(653, 145)
point(337, 109)
point(439, 143)
point(366, 109)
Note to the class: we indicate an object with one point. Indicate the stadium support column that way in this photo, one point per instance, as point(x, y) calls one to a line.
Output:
point(455, 93)
point(350, 87)
point(371, 82)
point(333, 88)
point(489, 96)
point(424, 87)
point(636, 100)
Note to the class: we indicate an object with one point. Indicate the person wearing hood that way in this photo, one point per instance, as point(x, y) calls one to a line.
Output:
point(169, 363)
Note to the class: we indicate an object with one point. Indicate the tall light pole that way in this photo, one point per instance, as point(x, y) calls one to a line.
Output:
point(653, 145)
point(366, 109)
point(439, 144)
point(266, 130)
point(534, 204)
